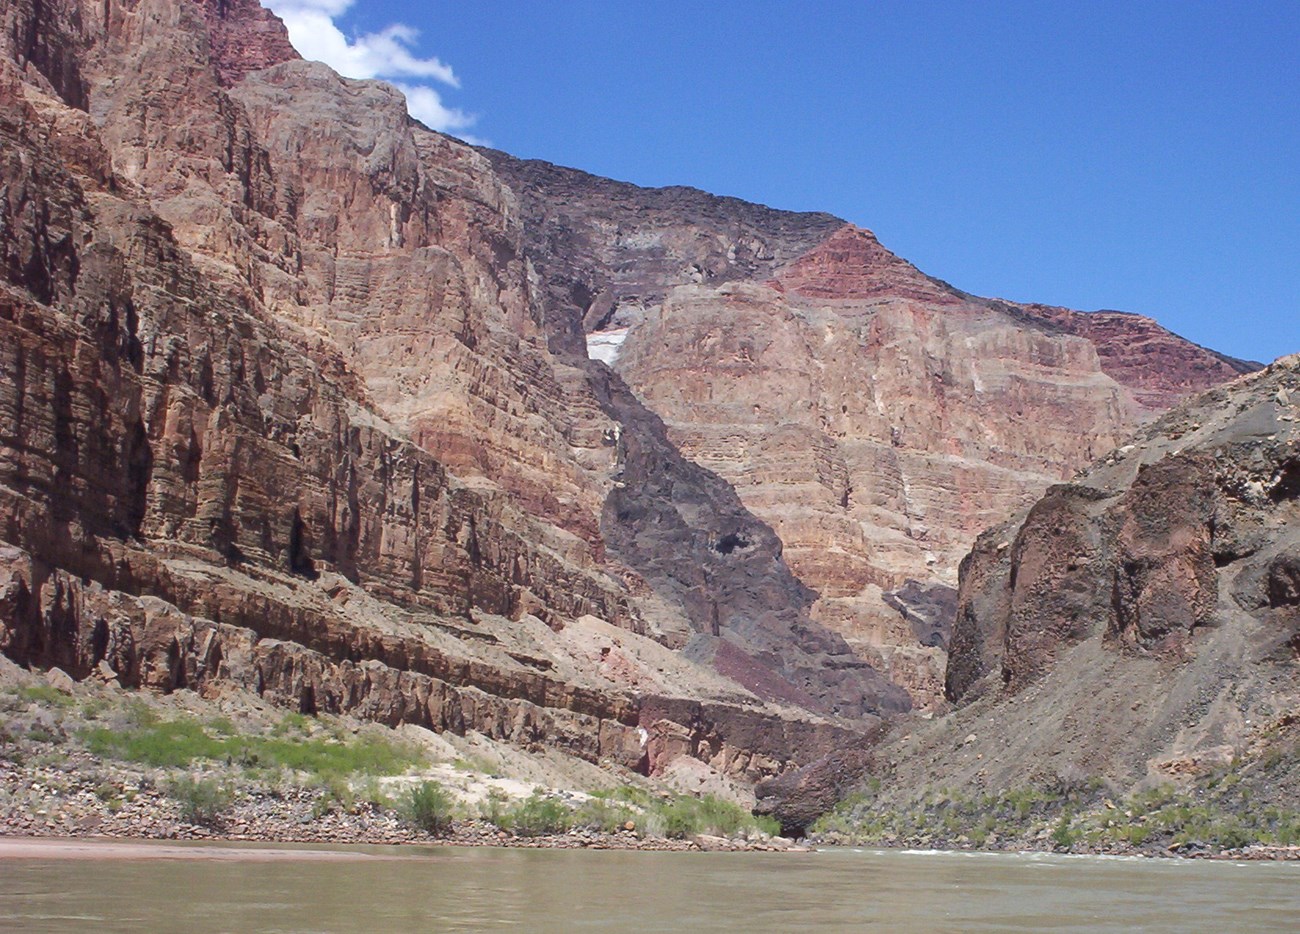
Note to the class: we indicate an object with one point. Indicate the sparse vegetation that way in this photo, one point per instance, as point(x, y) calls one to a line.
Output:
point(538, 814)
point(1077, 811)
point(248, 766)
point(604, 815)
point(202, 800)
point(45, 694)
point(1064, 834)
point(325, 766)
point(428, 806)
point(180, 742)
point(493, 808)
point(685, 816)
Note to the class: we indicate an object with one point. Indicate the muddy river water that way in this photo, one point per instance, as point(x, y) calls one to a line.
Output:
point(135, 887)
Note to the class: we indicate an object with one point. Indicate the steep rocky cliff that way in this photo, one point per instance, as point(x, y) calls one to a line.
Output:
point(1141, 622)
point(299, 396)
point(876, 418)
point(280, 410)
point(1137, 628)
point(1189, 527)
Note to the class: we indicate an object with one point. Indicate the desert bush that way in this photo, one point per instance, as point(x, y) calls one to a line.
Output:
point(202, 800)
point(684, 816)
point(494, 807)
point(537, 815)
point(428, 806)
point(45, 694)
point(603, 815)
point(1064, 834)
point(180, 742)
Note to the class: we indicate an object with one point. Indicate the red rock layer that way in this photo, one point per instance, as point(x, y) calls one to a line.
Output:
point(876, 418)
point(1159, 368)
point(879, 419)
point(851, 264)
point(245, 37)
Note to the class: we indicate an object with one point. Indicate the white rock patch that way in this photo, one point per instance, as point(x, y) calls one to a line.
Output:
point(605, 345)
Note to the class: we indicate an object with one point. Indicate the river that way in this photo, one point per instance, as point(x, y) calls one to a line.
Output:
point(453, 889)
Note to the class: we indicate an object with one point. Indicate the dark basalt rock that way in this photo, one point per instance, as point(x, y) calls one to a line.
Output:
point(929, 607)
point(1139, 547)
point(797, 798)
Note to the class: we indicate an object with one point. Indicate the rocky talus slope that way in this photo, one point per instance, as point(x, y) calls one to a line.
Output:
point(1140, 625)
point(281, 411)
point(876, 418)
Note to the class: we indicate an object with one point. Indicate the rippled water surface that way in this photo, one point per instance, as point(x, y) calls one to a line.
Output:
point(447, 889)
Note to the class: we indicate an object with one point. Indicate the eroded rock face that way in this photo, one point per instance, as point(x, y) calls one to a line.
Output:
point(281, 408)
point(245, 37)
point(1190, 526)
point(878, 421)
point(876, 418)
point(296, 396)
point(1284, 580)
point(608, 251)
point(797, 798)
point(1135, 627)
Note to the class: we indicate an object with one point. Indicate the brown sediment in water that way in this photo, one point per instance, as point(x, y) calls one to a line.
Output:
point(216, 848)
point(55, 848)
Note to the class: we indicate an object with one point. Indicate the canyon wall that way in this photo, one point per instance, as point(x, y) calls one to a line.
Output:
point(302, 397)
point(876, 418)
point(280, 411)
point(1139, 625)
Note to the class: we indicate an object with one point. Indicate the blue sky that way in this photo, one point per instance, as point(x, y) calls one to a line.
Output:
point(1138, 156)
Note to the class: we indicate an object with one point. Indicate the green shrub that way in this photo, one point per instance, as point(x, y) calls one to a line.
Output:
point(292, 723)
point(603, 815)
point(178, 743)
point(369, 791)
point(628, 794)
point(202, 800)
point(106, 791)
point(174, 743)
point(139, 713)
point(45, 694)
point(1064, 835)
point(429, 807)
point(537, 815)
point(724, 818)
point(335, 792)
point(684, 816)
point(679, 818)
point(493, 808)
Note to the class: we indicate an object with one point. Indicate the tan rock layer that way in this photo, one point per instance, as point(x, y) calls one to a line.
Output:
point(879, 419)
point(876, 418)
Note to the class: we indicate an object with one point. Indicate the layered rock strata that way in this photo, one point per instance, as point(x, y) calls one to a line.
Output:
point(1192, 524)
point(1136, 628)
point(298, 396)
point(280, 408)
point(877, 418)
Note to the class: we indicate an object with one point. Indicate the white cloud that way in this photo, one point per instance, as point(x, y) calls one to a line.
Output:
point(386, 54)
